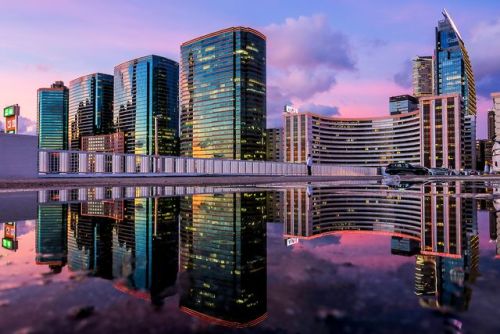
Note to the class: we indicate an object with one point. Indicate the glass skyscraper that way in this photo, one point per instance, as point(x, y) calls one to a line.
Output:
point(454, 76)
point(90, 107)
point(146, 105)
point(53, 117)
point(223, 95)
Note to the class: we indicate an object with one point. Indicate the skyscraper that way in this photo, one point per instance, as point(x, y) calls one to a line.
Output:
point(442, 127)
point(90, 107)
point(53, 117)
point(223, 95)
point(453, 73)
point(146, 105)
point(491, 124)
point(423, 76)
point(274, 144)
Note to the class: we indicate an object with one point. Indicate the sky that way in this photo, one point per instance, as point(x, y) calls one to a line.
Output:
point(336, 57)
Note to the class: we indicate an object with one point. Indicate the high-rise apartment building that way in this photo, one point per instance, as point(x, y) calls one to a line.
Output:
point(496, 114)
point(442, 130)
point(146, 105)
point(223, 95)
point(402, 104)
point(453, 74)
point(423, 76)
point(491, 124)
point(111, 143)
point(53, 117)
point(274, 144)
point(90, 107)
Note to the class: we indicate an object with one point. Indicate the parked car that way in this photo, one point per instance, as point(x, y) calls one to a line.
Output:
point(402, 168)
point(469, 172)
point(440, 171)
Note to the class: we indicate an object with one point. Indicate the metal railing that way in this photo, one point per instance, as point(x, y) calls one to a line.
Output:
point(81, 163)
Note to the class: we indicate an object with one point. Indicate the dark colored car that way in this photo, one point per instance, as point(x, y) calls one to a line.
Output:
point(402, 168)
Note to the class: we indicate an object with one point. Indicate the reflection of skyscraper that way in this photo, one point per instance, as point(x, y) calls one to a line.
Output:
point(223, 95)
point(223, 256)
point(145, 245)
point(51, 245)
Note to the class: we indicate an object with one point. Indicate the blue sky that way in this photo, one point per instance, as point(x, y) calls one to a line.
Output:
point(334, 57)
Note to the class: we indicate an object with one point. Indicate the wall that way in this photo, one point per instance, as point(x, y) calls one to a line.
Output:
point(18, 156)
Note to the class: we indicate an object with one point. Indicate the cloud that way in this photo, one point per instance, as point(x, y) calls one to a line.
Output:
point(320, 109)
point(485, 52)
point(404, 77)
point(305, 55)
point(27, 126)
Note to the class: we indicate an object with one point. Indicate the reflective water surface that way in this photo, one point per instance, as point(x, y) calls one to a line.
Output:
point(358, 257)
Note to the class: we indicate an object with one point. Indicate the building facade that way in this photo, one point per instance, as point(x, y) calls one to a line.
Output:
point(223, 95)
point(423, 76)
point(146, 105)
point(402, 104)
point(111, 143)
point(453, 73)
point(53, 117)
point(90, 107)
point(274, 144)
point(442, 126)
point(491, 124)
point(484, 153)
point(370, 142)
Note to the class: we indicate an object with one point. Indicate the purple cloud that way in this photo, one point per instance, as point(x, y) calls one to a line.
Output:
point(403, 77)
point(320, 109)
point(27, 126)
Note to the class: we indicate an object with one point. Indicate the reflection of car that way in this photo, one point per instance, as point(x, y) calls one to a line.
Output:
point(440, 171)
point(402, 168)
point(469, 172)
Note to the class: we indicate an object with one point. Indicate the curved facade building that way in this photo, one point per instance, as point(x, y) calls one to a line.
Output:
point(371, 142)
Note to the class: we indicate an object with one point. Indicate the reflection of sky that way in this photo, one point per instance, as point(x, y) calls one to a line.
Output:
point(322, 285)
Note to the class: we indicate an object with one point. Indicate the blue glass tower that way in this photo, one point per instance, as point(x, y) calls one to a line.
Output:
point(146, 106)
point(53, 117)
point(90, 107)
point(453, 71)
point(223, 95)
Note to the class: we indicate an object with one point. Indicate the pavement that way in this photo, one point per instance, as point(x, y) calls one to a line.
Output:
point(11, 185)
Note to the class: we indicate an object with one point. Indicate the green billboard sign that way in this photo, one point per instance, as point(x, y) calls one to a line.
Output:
point(9, 111)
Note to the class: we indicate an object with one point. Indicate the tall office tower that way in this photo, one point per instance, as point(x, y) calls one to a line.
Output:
point(496, 112)
point(423, 76)
point(453, 73)
point(402, 104)
point(223, 258)
point(274, 144)
point(491, 124)
point(223, 95)
point(51, 242)
point(442, 130)
point(90, 107)
point(53, 117)
point(146, 106)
